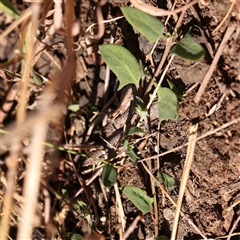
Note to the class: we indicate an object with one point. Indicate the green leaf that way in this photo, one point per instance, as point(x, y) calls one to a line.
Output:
point(134, 129)
point(167, 104)
point(149, 26)
point(122, 63)
point(129, 151)
point(74, 236)
point(8, 8)
point(188, 48)
point(74, 107)
point(139, 198)
point(141, 109)
point(109, 175)
point(168, 181)
point(178, 90)
point(161, 237)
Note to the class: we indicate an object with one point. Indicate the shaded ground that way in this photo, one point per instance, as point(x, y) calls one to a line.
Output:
point(212, 196)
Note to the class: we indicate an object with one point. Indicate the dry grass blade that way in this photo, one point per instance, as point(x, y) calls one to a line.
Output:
point(32, 28)
point(186, 170)
point(227, 35)
point(32, 179)
point(24, 16)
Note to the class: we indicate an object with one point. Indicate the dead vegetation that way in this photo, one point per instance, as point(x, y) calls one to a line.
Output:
point(62, 120)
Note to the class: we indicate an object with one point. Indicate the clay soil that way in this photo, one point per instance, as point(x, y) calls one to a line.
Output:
point(212, 195)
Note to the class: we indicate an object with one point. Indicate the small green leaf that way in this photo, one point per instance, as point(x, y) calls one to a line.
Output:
point(139, 198)
point(141, 109)
point(8, 8)
point(122, 63)
point(37, 79)
point(168, 181)
point(65, 193)
point(161, 237)
point(129, 151)
point(109, 175)
point(134, 129)
point(74, 107)
point(74, 236)
point(149, 26)
point(178, 90)
point(188, 48)
point(167, 104)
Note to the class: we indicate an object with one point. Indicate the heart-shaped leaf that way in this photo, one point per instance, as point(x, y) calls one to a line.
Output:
point(167, 104)
point(122, 63)
point(109, 175)
point(133, 130)
point(188, 48)
point(167, 180)
point(149, 26)
point(139, 198)
point(74, 107)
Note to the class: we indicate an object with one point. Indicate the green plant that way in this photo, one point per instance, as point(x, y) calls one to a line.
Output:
point(139, 198)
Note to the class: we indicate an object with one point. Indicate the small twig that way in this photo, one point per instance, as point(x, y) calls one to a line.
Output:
point(25, 15)
point(32, 179)
point(152, 97)
point(233, 228)
point(206, 79)
point(120, 211)
point(234, 121)
point(172, 201)
point(32, 28)
point(131, 228)
point(225, 18)
point(8, 102)
point(101, 26)
point(157, 11)
point(186, 171)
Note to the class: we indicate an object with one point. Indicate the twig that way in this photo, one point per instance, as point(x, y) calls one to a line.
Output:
point(32, 28)
point(234, 121)
point(233, 228)
point(152, 97)
point(206, 79)
point(25, 15)
point(225, 18)
point(131, 228)
point(186, 171)
point(101, 26)
point(8, 102)
point(32, 179)
point(172, 201)
point(120, 211)
point(157, 11)
point(12, 163)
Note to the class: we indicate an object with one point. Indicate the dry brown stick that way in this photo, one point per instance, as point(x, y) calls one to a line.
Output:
point(32, 28)
point(185, 175)
point(100, 19)
point(234, 121)
point(233, 228)
point(158, 11)
point(131, 228)
point(225, 18)
point(172, 201)
point(12, 163)
point(206, 79)
point(32, 180)
point(169, 44)
point(9, 100)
